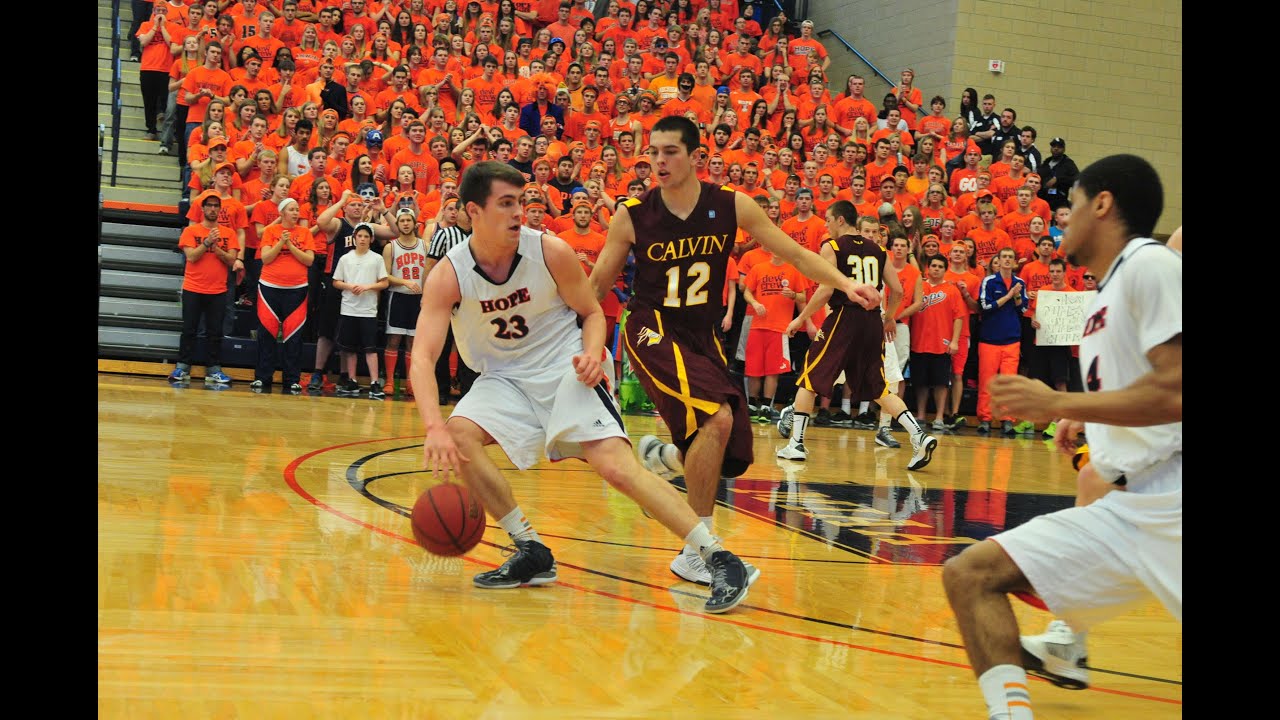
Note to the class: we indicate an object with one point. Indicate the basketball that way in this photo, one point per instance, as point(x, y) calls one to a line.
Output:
point(447, 520)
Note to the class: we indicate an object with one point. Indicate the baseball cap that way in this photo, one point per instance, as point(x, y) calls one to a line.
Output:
point(930, 238)
point(217, 142)
point(373, 137)
point(555, 40)
point(225, 166)
point(207, 195)
point(804, 191)
point(887, 179)
point(406, 211)
point(643, 159)
point(807, 23)
point(973, 148)
point(983, 194)
point(1058, 141)
point(722, 90)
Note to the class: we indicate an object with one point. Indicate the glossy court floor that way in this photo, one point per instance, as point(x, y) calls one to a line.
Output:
point(255, 561)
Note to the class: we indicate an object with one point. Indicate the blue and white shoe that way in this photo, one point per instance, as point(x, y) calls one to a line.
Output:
point(217, 378)
point(179, 375)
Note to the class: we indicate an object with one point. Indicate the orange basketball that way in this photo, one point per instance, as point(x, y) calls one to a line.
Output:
point(447, 520)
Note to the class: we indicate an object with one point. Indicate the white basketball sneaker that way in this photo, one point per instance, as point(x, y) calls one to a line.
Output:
point(1058, 655)
point(650, 452)
point(689, 566)
point(793, 451)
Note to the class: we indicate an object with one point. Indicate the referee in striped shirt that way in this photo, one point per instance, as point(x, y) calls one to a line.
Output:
point(448, 232)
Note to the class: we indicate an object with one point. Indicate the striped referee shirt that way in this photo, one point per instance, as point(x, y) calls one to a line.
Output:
point(444, 239)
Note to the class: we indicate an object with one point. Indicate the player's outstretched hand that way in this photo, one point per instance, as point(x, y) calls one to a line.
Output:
point(865, 295)
point(1022, 397)
point(588, 368)
point(441, 455)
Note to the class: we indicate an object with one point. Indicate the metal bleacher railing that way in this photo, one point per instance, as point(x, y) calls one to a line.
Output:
point(116, 102)
point(854, 50)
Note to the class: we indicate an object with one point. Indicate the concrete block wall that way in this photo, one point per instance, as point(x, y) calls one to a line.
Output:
point(893, 35)
point(1107, 76)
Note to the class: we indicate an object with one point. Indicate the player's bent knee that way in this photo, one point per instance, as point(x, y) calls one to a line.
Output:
point(984, 566)
point(721, 422)
point(466, 433)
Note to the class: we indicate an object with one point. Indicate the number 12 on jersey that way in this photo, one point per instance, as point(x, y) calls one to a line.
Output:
point(696, 293)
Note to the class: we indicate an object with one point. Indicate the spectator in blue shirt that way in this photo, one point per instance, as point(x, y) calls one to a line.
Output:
point(1002, 298)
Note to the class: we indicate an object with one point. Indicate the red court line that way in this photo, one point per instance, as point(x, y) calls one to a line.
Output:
point(291, 478)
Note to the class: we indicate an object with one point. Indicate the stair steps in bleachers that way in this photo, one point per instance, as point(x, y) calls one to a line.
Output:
point(144, 178)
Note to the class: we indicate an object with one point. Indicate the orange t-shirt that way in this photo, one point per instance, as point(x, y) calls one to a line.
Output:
point(588, 248)
point(807, 233)
point(1006, 187)
point(285, 271)
point(232, 214)
point(932, 219)
point(208, 275)
point(988, 242)
point(972, 283)
point(1017, 225)
point(218, 81)
point(425, 167)
point(1038, 206)
point(1036, 276)
point(748, 260)
point(908, 276)
point(486, 92)
point(932, 326)
point(766, 282)
point(940, 126)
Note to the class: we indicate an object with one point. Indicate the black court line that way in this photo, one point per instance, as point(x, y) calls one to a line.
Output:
point(361, 487)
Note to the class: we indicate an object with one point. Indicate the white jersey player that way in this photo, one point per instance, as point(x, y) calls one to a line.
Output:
point(515, 298)
point(1096, 560)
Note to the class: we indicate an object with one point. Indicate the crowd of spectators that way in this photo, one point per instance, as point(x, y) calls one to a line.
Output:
point(317, 101)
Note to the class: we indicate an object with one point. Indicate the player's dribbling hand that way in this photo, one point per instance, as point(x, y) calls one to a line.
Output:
point(441, 455)
point(1064, 436)
point(588, 369)
point(1022, 397)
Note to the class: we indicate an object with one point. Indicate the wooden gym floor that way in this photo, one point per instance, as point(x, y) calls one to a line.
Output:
point(255, 561)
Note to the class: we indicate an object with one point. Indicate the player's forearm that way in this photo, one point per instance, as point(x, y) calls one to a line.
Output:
point(1154, 399)
point(423, 376)
point(810, 264)
point(593, 326)
point(820, 298)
